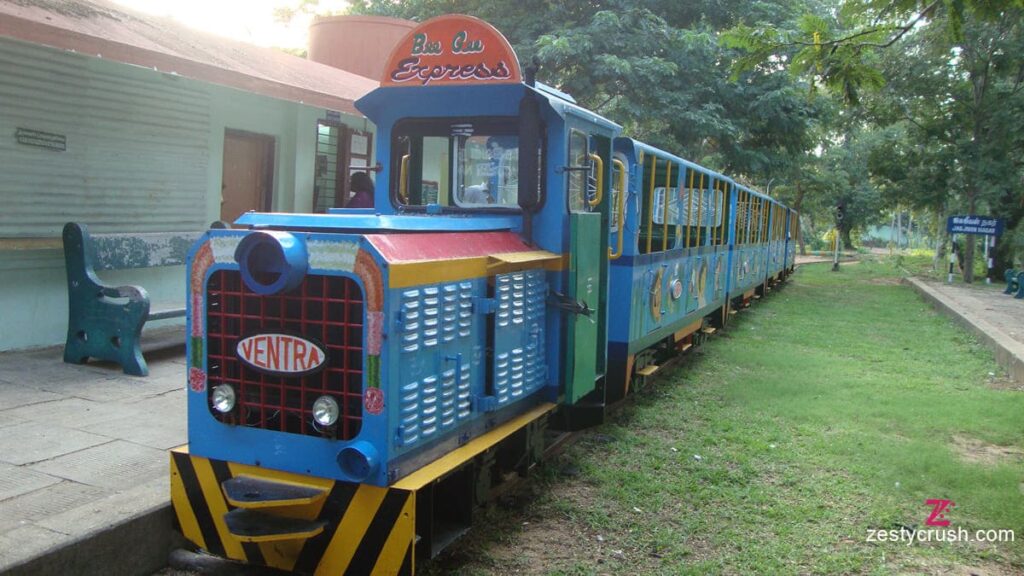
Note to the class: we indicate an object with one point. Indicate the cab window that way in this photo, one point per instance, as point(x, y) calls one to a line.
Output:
point(579, 164)
point(465, 164)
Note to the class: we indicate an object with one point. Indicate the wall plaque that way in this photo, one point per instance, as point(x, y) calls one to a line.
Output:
point(39, 139)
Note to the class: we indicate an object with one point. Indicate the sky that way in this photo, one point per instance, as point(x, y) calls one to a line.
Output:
point(246, 20)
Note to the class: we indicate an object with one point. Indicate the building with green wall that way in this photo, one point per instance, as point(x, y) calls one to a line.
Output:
point(130, 123)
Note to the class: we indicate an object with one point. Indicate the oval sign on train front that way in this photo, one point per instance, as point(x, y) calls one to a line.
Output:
point(281, 354)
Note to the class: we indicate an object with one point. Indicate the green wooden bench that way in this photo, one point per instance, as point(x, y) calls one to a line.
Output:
point(105, 322)
point(1014, 283)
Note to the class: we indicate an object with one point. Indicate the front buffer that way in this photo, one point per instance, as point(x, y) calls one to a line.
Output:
point(320, 526)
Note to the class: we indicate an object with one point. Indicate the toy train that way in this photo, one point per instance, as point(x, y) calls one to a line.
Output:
point(360, 381)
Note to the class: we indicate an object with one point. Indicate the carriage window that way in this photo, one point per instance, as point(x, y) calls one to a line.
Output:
point(702, 210)
point(470, 165)
point(578, 160)
point(723, 211)
point(673, 205)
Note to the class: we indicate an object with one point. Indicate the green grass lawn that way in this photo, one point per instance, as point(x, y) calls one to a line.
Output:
point(838, 404)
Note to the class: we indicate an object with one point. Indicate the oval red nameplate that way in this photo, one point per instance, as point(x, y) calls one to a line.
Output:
point(282, 354)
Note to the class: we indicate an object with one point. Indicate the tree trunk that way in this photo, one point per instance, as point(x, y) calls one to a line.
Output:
point(892, 233)
point(797, 203)
point(847, 240)
point(939, 261)
point(899, 230)
point(969, 239)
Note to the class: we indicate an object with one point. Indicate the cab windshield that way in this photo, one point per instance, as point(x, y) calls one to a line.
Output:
point(463, 164)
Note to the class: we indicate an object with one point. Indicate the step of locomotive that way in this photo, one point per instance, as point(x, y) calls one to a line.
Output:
point(254, 526)
point(648, 370)
point(248, 492)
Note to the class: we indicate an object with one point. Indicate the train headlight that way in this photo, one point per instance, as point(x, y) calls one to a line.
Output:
point(325, 411)
point(223, 398)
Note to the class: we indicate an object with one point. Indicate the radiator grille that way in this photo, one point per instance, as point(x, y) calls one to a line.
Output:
point(325, 309)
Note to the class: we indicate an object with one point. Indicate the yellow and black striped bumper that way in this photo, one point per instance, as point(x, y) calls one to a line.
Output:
point(368, 530)
point(335, 527)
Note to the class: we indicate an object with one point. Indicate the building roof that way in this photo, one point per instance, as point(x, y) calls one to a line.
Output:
point(108, 31)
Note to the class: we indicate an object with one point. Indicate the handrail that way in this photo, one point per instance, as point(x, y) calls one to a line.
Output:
point(761, 215)
point(664, 212)
point(403, 180)
point(599, 164)
point(714, 212)
point(689, 209)
point(764, 221)
point(755, 216)
point(700, 211)
point(718, 188)
point(749, 224)
point(650, 203)
point(725, 210)
point(613, 255)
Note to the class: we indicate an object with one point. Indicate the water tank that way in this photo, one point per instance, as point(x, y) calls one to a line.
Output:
point(357, 44)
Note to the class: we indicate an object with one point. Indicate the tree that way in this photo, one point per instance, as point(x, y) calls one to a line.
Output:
point(954, 107)
point(657, 68)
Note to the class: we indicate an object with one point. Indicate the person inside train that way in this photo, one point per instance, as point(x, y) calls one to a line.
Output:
point(362, 187)
point(487, 192)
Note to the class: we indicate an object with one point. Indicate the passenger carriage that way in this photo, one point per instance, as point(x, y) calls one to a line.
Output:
point(669, 262)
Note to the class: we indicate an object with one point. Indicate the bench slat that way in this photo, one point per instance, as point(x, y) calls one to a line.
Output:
point(164, 314)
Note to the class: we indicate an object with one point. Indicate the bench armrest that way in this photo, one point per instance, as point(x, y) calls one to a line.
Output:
point(132, 293)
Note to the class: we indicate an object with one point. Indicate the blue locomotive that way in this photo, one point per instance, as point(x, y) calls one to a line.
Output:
point(360, 381)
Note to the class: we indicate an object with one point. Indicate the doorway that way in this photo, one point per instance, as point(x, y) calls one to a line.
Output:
point(248, 178)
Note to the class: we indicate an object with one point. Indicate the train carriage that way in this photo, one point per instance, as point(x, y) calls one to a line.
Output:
point(673, 269)
point(360, 381)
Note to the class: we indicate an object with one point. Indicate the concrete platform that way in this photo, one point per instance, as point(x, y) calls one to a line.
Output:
point(84, 483)
point(997, 319)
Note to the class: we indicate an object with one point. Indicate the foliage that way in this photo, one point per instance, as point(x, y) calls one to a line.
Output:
point(657, 68)
point(952, 113)
point(937, 87)
point(839, 48)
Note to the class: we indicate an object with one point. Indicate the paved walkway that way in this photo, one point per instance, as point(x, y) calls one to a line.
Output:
point(997, 319)
point(83, 462)
point(817, 258)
